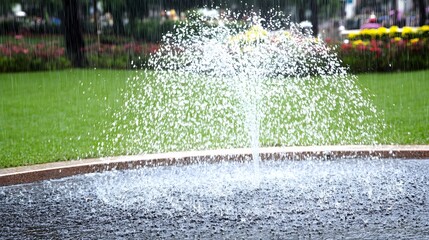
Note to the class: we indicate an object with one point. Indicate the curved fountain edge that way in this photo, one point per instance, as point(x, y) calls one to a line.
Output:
point(27, 174)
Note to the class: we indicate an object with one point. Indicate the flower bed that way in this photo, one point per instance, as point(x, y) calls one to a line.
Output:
point(32, 57)
point(385, 49)
point(22, 56)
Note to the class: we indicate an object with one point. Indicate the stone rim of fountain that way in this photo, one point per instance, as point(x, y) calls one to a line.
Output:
point(55, 170)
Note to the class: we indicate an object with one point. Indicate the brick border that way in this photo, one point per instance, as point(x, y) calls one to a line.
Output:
point(27, 174)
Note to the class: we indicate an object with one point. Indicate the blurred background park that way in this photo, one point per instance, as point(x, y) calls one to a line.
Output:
point(370, 35)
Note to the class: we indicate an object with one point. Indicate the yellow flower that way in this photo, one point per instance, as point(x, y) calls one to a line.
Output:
point(359, 42)
point(397, 39)
point(381, 31)
point(255, 33)
point(407, 31)
point(353, 35)
point(424, 28)
point(364, 32)
point(414, 40)
point(371, 32)
point(424, 31)
point(393, 30)
point(252, 35)
point(258, 30)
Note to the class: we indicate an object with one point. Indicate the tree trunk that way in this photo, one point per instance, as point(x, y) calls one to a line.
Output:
point(395, 12)
point(301, 12)
point(72, 33)
point(314, 17)
point(422, 11)
point(95, 17)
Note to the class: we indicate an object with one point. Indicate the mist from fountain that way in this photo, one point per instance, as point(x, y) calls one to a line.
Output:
point(229, 82)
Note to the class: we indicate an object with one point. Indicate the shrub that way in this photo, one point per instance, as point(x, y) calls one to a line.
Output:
point(45, 28)
point(10, 27)
point(119, 56)
point(152, 30)
point(16, 27)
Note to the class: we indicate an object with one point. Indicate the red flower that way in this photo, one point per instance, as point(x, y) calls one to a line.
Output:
point(361, 47)
point(376, 50)
point(346, 46)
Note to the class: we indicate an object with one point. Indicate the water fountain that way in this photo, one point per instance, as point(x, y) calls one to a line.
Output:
point(229, 84)
point(252, 83)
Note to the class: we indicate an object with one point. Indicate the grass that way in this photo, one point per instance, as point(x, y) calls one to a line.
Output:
point(53, 116)
point(405, 101)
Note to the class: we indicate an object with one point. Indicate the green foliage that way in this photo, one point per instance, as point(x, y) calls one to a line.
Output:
point(122, 61)
point(23, 63)
point(152, 30)
point(10, 27)
point(46, 28)
point(125, 56)
point(6, 6)
point(14, 26)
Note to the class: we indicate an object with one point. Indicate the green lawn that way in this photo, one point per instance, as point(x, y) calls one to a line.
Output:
point(404, 98)
point(52, 116)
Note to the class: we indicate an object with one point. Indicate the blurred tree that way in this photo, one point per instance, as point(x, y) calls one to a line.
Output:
point(422, 12)
point(117, 8)
point(43, 8)
point(136, 9)
point(72, 33)
point(320, 9)
point(395, 11)
point(181, 6)
point(6, 6)
point(314, 7)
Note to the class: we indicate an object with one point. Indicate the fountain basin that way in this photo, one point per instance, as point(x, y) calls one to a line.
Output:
point(338, 198)
point(26, 174)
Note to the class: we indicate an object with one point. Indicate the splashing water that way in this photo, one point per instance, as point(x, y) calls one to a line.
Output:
point(228, 83)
